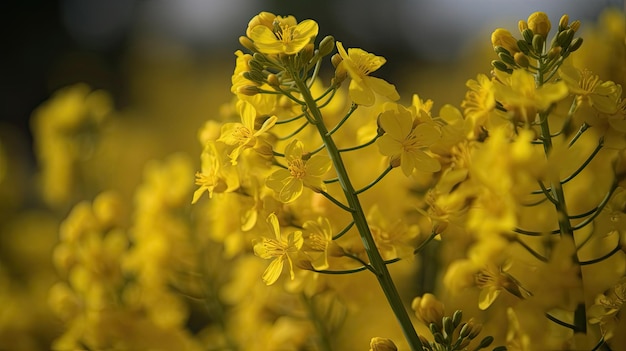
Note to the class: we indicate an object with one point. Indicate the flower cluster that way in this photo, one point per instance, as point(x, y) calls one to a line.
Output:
point(324, 203)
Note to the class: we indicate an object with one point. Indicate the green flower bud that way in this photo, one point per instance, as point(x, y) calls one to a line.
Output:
point(523, 46)
point(528, 35)
point(538, 41)
point(327, 45)
point(565, 38)
point(456, 318)
point(485, 342)
point(575, 45)
point(501, 66)
point(506, 58)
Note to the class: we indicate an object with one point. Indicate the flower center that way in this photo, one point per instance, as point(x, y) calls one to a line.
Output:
point(297, 169)
point(242, 134)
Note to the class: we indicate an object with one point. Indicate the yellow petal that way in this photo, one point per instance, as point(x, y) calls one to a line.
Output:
point(487, 297)
point(273, 271)
point(389, 146)
point(361, 94)
point(382, 87)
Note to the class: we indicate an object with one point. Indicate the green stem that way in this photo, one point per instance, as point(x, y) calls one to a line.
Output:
point(377, 263)
point(558, 195)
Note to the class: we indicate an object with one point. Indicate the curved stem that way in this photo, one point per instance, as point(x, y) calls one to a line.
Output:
point(381, 176)
point(378, 266)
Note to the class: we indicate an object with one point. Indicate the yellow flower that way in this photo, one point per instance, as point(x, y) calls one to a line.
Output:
point(319, 238)
point(359, 64)
point(285, 37)
point(216, 175)
point(244, 135)
point(301, 171)
point(479, 102)
point(588, 88)
point(519, 94)
point(428, 309)
point(406, 142)
point(278, 249)
point(492, 280)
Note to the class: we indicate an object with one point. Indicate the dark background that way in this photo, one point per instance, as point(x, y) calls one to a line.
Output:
point(51, 44)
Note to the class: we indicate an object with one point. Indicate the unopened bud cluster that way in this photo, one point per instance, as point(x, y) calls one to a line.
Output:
point(526, 52)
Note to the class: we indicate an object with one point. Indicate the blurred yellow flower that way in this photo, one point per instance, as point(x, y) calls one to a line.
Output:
point(588, 88)
point(359, 64)
point(301, 171)
point(278, 249)
point(520, 94)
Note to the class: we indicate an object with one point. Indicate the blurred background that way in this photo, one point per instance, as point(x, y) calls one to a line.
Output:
point(51, 44)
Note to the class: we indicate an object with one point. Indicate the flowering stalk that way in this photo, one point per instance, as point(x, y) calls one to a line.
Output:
point(378, 265)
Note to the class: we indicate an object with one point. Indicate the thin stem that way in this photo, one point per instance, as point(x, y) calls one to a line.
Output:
point(360, 146)
point(560, 322)
point(295, 132)
point(353, 108)
point(336, 202)
point(343, 231)
point(378, 266)
point(295, 118)
point(615, 250)
point(381, 176)
point(599, 208)
point(530, 250)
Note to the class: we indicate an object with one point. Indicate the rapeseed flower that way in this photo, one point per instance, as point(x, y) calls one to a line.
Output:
point(359, 64)
point(519, 93)
point(244, 135)
point(301, 171)
point(284, 36)
point(589, 89)
point(406, 142)
point(279, 249)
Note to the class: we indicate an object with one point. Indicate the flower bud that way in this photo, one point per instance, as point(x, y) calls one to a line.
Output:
point(471, 329)
point(327, 45)
point(528, 35)
point(563, 22)
point(522, 26)
point(456, 318)
point(554, 52)
point(575, 25)
point(575, 45)
point(247, 43)
point(382, 344)
point(336, 60)
point(539, 23)
point(523, 46)
point(565, 38)
point(538, 41)
point(273, 80)
point(249, 90)
point(521, 60)
point(502, 37)
point(428, 309)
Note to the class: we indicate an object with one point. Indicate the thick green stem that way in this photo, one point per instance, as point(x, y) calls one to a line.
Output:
point(376, 261)
point(565, 226)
